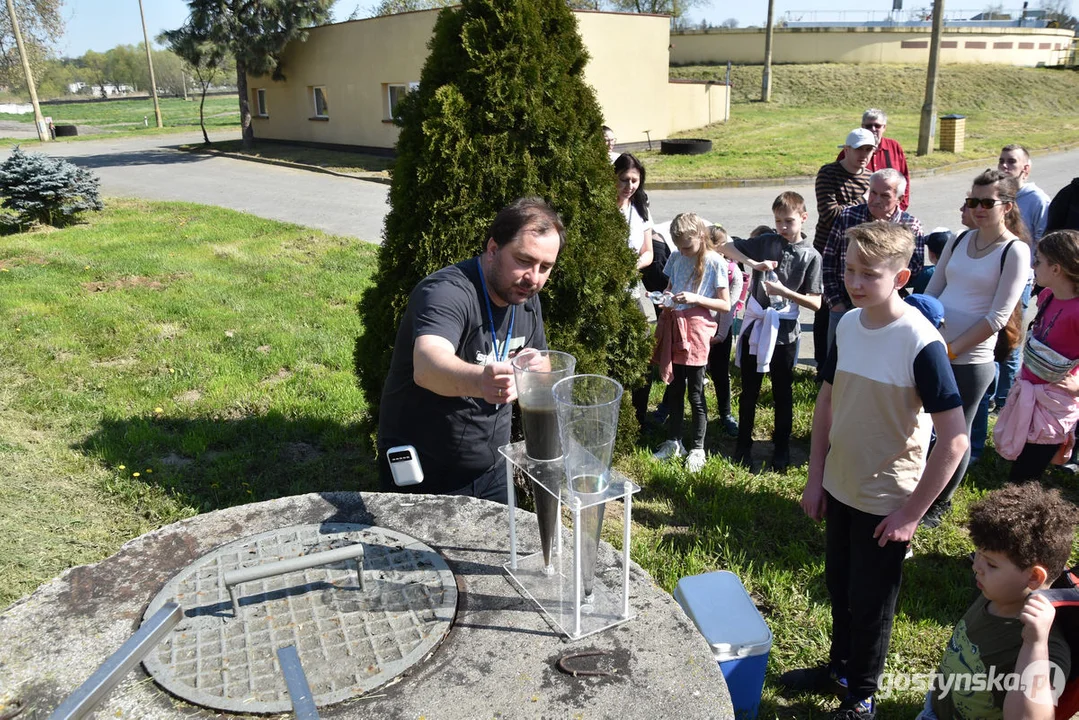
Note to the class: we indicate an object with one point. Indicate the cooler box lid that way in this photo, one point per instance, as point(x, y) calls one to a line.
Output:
point(722, 610)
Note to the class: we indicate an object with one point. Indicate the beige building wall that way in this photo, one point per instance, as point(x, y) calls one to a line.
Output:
point(1003, 46)
point(356, 62)
point(691, 105)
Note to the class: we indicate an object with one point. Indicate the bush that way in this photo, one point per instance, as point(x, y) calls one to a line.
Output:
point(42, 189)
point(503, 111)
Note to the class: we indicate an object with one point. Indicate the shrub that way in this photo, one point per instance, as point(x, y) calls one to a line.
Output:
point(46, 190)
point(502, 111)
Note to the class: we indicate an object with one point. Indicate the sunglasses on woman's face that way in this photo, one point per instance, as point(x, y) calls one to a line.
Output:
point(984, 202)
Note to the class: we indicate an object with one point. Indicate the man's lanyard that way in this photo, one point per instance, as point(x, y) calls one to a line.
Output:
point(491, 320)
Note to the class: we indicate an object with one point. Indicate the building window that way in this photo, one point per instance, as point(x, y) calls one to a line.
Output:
point(394, 93)
point(260, 102)
point(322, 105)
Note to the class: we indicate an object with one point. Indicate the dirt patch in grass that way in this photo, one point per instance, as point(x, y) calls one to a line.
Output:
point(300, 452)
point(23, 260)
point(116, 362)
point(280, 376)
point(172, 460)
point(189, 397)
point(125, 283)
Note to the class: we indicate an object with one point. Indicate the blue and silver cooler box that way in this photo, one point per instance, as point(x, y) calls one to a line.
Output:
point(722, 610)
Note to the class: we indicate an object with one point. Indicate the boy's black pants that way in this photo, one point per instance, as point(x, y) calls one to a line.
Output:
point(782, 371)
point(719, 361)
point(863, 583)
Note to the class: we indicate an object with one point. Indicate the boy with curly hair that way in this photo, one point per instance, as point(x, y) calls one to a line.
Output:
point(1023, 539)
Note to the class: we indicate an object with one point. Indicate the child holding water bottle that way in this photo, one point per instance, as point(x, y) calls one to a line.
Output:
point(698, 288)
point(786, 276)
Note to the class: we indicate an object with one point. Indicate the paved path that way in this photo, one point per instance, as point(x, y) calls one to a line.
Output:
point(152, 168)
point(935, 199)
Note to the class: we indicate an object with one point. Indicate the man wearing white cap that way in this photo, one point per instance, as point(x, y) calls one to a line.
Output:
point(839, 185)
point(889, 152)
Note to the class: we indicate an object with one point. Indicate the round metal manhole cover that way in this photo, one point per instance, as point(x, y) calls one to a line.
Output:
point(349, 640)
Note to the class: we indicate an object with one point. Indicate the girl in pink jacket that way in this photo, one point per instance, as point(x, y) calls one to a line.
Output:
point(1035, 427)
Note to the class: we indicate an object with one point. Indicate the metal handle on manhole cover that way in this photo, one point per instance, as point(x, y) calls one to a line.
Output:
point(280, 567)
point(299, 692)
point(113, 670)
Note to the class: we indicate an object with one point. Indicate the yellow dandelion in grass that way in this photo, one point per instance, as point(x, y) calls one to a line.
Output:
point(159, 410)
point(135, 474)
point(123, 467)
point(172, 370)
point(86, 268)
point(4, 270)
point(149, 471)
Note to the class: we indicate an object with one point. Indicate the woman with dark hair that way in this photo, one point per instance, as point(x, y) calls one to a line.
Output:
point(979, 280)
point(633, 204)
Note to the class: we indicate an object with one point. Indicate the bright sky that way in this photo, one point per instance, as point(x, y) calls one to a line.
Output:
point(104, 24)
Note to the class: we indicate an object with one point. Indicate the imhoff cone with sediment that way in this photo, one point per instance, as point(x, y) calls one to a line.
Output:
point(587, 423)
point(535, 373)
point(546, 484)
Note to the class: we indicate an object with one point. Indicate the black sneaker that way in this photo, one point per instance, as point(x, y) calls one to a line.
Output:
point(934, 516)
point(821, 680)
point(743, 456)
point(853, 709)
point(781, 461)
point(730, 425)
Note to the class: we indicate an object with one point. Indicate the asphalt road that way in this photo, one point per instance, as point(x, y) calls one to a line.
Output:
point(935, 199)
point(152, 168)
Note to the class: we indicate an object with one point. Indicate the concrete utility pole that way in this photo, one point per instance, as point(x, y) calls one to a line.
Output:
point(929, 109)
point(42, 131)
point(766, 77)
point(150, 62)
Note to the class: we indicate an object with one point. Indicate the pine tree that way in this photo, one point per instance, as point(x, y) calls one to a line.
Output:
point(503, 111)
point(255, 32)
point(46, 190)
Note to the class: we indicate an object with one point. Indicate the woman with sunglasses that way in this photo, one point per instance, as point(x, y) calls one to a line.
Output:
point(979, 280)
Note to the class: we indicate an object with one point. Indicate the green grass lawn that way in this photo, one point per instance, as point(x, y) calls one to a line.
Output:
point(814, 107)
point(126, 116)
point(165, 359)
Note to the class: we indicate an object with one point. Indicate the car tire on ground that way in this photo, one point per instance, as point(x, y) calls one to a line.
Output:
point(685, 146)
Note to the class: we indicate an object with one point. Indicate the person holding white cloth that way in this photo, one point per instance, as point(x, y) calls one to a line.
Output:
point(769, 337)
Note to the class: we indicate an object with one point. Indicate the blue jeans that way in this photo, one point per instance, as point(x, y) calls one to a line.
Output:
point(927, 711)
point(834, 316)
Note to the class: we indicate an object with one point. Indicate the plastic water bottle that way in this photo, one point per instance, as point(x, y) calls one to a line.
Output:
point(776, 301)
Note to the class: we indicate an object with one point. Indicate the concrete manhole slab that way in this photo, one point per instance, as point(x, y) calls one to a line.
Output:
point(349, 640)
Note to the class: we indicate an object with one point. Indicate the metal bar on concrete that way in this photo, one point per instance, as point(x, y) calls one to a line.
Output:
point(299, 692)
point(303, 562)
point(113, 670)
point(511, 502)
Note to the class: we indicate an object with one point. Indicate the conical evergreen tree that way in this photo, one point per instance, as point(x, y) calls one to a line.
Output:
point(503, 111)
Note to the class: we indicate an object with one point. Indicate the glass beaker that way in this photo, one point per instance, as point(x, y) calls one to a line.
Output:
point(588, 422)
point(536, 372)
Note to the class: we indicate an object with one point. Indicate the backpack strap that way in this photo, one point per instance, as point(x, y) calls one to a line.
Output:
point(1004, 255)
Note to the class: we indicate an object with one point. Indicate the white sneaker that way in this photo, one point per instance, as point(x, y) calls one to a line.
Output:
point(695, 461)
point(669, 449)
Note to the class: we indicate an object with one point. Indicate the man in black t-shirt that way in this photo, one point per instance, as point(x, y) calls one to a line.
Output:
point(450, 386)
